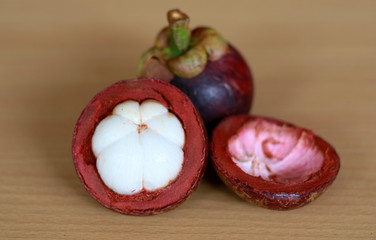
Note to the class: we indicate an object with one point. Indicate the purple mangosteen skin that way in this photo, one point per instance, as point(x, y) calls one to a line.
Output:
point(224, 88)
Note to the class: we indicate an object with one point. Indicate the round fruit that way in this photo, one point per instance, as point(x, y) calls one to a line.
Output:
point(271, 163)
point(140, 147)
point(203, 65)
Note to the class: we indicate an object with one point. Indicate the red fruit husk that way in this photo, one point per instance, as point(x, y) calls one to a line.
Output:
point(265, 193)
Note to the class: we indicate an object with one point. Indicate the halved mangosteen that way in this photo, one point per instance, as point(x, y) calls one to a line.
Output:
point(140, 147)
point(272, 163)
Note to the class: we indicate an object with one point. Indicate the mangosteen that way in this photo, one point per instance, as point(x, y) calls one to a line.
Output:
point(271, 163)
point(210, 71)
point(140, 147)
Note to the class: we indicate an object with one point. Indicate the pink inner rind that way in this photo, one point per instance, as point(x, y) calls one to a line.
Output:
point(279, 153)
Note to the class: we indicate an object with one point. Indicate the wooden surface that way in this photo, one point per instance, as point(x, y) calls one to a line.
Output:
point(314, 64)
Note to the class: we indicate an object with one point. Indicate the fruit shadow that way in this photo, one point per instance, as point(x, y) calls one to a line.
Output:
point(217, 187)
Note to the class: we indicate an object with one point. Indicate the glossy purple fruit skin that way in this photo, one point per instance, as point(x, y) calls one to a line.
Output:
point(224, 88)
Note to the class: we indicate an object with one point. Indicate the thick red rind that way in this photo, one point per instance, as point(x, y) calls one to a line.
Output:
point(195, 148)
point(264, 193)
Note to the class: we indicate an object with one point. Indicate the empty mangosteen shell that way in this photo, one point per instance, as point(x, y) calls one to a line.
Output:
point(269, 194)
point(195, 148)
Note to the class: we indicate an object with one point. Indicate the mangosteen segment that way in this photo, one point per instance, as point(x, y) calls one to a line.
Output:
point(139, 146)
point(275, 153)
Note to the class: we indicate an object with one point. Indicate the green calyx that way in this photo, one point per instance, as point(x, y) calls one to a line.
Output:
point(180, 52)
point(179, 33)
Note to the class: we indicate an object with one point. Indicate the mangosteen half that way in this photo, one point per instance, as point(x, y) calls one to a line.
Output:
point(140, 147)
point(203, 65)
point(271, 163)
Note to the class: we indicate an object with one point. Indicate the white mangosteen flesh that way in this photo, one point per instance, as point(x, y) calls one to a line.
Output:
point(139, 146)
point(281, 153)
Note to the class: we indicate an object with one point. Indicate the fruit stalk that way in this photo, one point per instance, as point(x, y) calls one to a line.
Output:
point(179, 32)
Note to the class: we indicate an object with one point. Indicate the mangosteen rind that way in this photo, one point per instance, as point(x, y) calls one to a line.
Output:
point(269, 193)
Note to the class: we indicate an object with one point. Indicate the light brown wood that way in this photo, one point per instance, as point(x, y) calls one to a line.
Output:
point(314, 64)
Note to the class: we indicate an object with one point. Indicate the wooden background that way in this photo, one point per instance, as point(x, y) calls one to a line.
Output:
point(314, 64)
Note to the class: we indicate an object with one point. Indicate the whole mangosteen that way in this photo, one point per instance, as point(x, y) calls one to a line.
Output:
point(211, 72)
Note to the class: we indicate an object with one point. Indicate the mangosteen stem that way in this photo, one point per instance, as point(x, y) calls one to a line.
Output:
point(179, 32)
